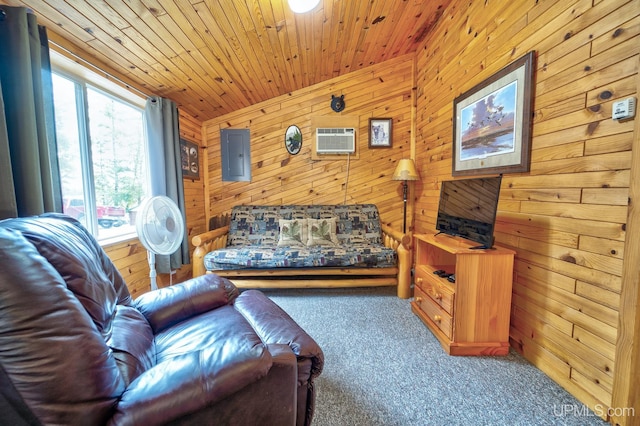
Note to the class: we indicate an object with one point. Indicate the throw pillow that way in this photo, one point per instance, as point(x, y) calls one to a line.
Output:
point(322, 232)
point(292, 232)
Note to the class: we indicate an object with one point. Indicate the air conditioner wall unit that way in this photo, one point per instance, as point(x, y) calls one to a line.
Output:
point(335, 140)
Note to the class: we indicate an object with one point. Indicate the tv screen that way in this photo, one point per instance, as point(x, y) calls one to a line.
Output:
point(468, 208)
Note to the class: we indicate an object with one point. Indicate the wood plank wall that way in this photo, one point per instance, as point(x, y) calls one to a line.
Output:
point(380, 91)
point(566, 218)
point(191, 129)
point(130, 257)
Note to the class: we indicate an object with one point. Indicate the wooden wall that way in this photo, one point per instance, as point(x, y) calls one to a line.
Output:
point(567, 217)
point(191, 129)
point(379, 91)
point(130, 256)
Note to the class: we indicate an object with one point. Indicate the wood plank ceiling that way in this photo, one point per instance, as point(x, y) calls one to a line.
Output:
point(216, 56)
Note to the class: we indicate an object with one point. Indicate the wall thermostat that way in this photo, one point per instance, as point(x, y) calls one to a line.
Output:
point(624, 109)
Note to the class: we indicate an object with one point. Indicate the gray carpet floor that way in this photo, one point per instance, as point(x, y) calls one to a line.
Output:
point(384, 367)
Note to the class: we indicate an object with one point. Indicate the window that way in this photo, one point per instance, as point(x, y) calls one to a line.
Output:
point(101, 154)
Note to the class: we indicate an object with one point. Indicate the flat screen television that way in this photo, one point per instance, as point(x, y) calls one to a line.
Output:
point(468, 209)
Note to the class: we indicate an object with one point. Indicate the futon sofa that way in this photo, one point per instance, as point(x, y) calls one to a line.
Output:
point(76, 349)
point(306, 246)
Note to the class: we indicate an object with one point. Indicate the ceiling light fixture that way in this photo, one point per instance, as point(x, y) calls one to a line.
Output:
point(302, 6)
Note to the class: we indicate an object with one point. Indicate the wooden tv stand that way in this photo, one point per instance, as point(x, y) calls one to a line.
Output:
point(470, 316)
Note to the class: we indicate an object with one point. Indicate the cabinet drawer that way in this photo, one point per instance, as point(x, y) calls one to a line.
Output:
point(434, 311)
point(438, 291)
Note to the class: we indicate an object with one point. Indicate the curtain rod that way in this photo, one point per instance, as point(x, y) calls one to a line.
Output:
point(96, 68)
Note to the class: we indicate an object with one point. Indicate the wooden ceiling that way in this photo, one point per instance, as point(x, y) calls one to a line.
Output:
point(215, 56)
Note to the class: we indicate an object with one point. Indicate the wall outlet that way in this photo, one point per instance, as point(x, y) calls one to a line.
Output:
point(622, 110)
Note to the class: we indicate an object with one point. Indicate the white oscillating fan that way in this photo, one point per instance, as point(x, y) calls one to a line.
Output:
point(160, 229)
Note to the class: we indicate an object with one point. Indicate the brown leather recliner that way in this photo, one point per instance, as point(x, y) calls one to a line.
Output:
point(76, 349)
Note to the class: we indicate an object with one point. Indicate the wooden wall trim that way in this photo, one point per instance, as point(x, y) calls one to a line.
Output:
point(626, 384)
point(204, 171)
point(575, 295)
point(412, 193)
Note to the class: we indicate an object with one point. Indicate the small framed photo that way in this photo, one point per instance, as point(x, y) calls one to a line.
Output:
point(380, 132)
point(190, 159)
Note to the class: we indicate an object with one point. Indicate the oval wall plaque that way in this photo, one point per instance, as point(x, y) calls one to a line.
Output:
point(293, 139)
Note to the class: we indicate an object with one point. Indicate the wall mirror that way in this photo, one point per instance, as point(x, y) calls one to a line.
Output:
point(293, 139)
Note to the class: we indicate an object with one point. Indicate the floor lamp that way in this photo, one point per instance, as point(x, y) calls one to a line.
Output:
point(405, 170)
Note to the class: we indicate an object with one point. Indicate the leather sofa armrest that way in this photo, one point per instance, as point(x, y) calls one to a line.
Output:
point(168, 306)
point(185, 385)
point(281, 384)
point(274, 325)
point(175, 395)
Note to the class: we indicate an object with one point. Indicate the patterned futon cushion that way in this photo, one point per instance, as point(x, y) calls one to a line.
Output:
point(254, 239)
point(258, 225)
point(348, 255)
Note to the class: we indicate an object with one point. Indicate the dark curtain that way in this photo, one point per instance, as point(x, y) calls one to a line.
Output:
point(163, 134)
point(29, 177)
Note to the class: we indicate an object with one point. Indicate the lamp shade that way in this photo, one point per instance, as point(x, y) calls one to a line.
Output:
point(302, 6)
point(405, 170)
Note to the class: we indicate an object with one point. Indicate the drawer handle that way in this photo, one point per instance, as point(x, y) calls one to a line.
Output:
point(437, 318)
point(438, 296)
point(419, 280)
point(418, 299)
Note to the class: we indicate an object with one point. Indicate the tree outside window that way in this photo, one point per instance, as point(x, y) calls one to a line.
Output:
point(101, 154)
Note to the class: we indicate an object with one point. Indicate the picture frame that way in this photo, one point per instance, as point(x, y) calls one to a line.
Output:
point(293, 139)
point(380, 133)
point(492, 122)
point(189, 159)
